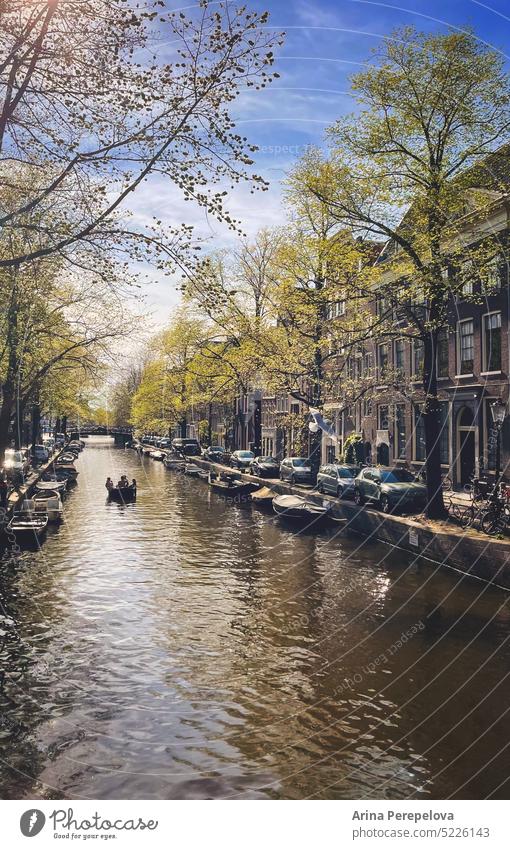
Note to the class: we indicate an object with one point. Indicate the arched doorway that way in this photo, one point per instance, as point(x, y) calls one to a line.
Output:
point(466, 445)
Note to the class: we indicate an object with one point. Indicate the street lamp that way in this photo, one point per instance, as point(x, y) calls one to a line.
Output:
point(498, 411)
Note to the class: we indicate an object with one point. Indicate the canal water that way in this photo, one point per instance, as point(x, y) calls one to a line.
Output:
point(185, 647)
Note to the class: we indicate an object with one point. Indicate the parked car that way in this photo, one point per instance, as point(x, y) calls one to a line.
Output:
point(41, 453)
point(215, 453)
point(16, 462)
point(241, 459)
point(189, 447)
point(265, 467)
point(60, 440)
point(296, 470)
point(390, 488)
point(336, 479)
point(165, 443)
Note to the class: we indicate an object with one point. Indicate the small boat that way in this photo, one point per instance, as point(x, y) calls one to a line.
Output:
point(174, 464)
point(67, 469)
point(158, 455)
point(56, 485)
point(229, 487)
point(48, 503)
point(192, 470)
point(29, 526)
point(68, 457)
point(123, 494)
point(263, 497)
point(75, 446)
point(297, 508)
point(147, 450)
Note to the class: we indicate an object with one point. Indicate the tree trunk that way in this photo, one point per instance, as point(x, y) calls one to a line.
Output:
point(432, 423)
point(6, 409)
point(209, 425)
point(36, 425)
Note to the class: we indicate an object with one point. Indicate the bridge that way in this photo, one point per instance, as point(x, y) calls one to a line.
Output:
point(121, 435)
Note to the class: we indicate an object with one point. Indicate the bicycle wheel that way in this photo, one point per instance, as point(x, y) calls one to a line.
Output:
point(467, 517)
point(493, 522)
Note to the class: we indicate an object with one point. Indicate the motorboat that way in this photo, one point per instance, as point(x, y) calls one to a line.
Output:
point(56, 485)
point(28, 527)
point(228, 486)
point(67, 469)
point(295, 507)
point(67, 457)
point(48, 503)
point(175, 464)
point(192, 470)
point(122, 494)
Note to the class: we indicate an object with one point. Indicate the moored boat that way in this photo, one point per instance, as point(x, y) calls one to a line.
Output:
point(67, 469)
point(56, 485)
point(157, 455)
point(297, 508)
point(28, 527)
point(47, 503)
point(229, 487)
point(192, 470)
point(263, 497)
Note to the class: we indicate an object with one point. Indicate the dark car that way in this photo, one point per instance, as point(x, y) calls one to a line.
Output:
point(296, 470)
point(215, 454)
point(336, 479)
point(241, 459)
point(188, 447)
point(164, 443)
point(265, 467)
point(390, 489)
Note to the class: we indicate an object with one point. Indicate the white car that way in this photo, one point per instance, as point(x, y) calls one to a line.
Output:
point(41, 453)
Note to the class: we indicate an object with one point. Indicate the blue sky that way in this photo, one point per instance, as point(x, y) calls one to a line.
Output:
point(325, 43)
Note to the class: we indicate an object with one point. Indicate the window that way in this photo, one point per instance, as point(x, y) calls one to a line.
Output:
point(381, 305)
point(467, 273)
point(419, 436)
point(417, 357)
point(294, 409)
point(466, 347)
point(400, 431)
point(444, 433)
point(382, 355)
point(399, 356)
point(492, 342)
point(442, 362)
point(383, 418)
point(491, 277)
point(340, 308)
point(367, 407)
point(368, 364)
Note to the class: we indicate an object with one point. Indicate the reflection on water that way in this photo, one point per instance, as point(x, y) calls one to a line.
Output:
point(186, 648)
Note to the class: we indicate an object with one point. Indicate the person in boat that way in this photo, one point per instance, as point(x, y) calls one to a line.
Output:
point(133, 484)
point(122, 483)
point(109, 484)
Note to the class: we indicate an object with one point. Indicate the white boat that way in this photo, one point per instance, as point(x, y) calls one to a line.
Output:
point(192, 470)
point(48, 503)
point(297, 508)
point(28, 527)
point(51, 486)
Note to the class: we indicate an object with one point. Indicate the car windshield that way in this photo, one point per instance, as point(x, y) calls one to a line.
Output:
point(245, 454)
point(397, 476)
point(299, 461)
point(267, 460)
point(346, 473)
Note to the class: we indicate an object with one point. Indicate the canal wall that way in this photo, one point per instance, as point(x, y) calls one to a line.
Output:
point(467, 551)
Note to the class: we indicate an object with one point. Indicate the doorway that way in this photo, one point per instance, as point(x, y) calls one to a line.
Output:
point(466, 446)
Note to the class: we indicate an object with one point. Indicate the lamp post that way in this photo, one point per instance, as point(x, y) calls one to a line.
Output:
point(498, 411)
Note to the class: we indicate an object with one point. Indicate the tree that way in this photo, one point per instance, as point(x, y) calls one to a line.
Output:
point(431, 107)
point(55, 328)
point(88, 111)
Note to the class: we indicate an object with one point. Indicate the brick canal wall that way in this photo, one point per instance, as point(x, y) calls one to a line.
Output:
point(467, 551)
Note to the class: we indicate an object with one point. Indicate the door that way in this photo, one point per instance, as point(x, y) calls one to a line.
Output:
point(383, 454)
point(466, 455)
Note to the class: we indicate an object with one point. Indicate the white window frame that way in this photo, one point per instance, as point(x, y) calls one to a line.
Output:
point(458, 365)
point(484, 352)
